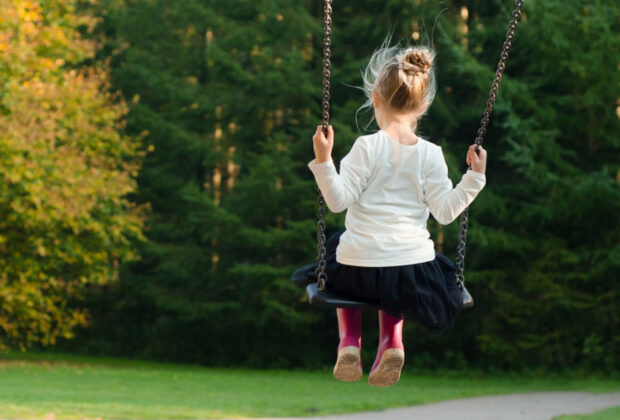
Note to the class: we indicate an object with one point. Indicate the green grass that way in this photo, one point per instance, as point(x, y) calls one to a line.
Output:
point(612, 413)
point(34, 385)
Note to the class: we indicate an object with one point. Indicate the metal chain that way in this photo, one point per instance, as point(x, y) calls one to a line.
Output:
point(321, 239)
point(460, 248)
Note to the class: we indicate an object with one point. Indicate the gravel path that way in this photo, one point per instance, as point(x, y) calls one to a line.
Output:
point(526, 406)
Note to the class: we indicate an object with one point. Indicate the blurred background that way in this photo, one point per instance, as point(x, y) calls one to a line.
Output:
point(155, 195)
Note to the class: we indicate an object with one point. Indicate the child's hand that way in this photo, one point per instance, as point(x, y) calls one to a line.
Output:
point(323, 146)
point(478, 162)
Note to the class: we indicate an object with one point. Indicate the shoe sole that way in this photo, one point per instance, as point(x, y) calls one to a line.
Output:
point(388, 370)
point(347, 366)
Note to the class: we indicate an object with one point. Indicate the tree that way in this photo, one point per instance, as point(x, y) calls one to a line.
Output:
point(66, 168)
point(230, 94)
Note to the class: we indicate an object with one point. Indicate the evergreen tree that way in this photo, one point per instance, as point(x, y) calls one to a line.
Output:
point(222, 90)
point(229, 93)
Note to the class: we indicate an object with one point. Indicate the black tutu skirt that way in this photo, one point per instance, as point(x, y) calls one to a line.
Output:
point(426, 291)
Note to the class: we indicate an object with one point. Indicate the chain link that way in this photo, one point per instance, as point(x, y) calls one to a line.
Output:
point(320, 237)
point(501, 66)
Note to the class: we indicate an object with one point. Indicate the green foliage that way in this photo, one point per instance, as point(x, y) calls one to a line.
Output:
point(229, 93)
point(556, 177)
point(65, 170)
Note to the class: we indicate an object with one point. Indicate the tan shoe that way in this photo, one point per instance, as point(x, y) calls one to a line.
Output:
point(348, 367)
point(388, 370)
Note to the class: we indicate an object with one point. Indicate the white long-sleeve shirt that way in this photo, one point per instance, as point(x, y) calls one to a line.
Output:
point(388, 189)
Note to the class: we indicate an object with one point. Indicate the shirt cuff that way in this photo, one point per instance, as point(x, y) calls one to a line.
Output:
point(476, 175)
point(314, 165)
point(475, 180)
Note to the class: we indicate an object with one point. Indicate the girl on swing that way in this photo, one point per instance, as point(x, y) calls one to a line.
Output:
point(388, 183)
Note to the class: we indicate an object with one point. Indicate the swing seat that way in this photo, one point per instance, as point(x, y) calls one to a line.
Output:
point(328, 299)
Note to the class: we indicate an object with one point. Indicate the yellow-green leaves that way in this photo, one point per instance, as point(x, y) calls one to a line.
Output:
point(65, 168)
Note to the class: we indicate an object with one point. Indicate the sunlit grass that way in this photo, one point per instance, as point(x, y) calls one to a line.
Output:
point(34, 385)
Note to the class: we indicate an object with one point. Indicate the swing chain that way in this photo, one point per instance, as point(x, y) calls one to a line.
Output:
point(460, 248)
point(321, 238)
point(327, 53)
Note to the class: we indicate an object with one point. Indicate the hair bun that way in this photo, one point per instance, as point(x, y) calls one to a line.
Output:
point(404, 78)
point(416, 61)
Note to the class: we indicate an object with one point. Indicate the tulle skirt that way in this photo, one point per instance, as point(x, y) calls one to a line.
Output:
point(426, 291)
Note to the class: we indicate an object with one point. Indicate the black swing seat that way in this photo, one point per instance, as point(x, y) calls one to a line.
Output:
point(328, 299)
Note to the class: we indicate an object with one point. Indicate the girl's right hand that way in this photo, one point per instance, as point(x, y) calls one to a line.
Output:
point(477, 162)
point(323, 145)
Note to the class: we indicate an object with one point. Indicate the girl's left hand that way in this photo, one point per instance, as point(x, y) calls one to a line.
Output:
point(323, 145)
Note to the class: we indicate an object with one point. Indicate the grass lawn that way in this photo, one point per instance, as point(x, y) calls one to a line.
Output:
point(608, 414)
point(32, 385)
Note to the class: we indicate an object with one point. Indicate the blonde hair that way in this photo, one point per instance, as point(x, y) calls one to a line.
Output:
point(403, 77)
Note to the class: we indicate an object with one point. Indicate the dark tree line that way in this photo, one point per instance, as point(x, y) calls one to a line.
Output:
point(228, 94)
